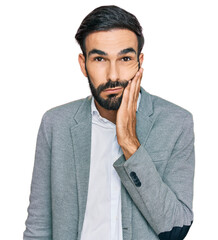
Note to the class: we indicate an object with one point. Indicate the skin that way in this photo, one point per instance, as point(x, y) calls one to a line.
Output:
point(116, 59)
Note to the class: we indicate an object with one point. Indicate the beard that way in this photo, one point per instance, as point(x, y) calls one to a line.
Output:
point(112, 102)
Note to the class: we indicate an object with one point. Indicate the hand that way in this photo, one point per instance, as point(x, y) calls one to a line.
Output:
point(126, 117)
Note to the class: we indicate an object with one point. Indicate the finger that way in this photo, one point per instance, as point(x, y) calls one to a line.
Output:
point(138, 84)
point(136, 92)
point(133, 103)
point(132, 91)
point(125, 98)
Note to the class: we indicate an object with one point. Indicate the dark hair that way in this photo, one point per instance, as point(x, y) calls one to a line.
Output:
point(105, 18)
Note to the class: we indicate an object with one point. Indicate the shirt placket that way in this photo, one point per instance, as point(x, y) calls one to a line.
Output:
point(115, 193)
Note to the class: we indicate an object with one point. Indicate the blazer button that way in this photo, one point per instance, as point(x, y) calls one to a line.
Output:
point(135, 179)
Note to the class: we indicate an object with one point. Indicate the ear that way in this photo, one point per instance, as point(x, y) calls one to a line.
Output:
point(82, 63)
point(141, 58)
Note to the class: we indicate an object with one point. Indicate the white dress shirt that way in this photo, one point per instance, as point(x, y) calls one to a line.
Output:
point(103, 218)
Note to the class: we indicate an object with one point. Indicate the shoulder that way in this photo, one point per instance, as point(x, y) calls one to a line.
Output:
point(63, 114)
point(168, 108)
point(165, 109)
point(166, 113)
point(168, 122)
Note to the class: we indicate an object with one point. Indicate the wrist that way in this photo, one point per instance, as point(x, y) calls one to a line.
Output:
point(130, 148)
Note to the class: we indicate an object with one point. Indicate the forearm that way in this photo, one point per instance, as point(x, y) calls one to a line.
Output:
point(38, 223)
point(158, 203)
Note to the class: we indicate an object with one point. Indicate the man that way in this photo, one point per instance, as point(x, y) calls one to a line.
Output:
point(118, 164)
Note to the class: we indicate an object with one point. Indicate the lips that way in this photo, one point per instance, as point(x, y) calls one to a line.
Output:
point(113, 90)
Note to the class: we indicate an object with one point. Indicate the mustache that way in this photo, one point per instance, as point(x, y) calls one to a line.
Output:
point(112, 84)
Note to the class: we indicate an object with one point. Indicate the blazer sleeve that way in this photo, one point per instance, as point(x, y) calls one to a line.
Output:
point(165, 202)
point(38, 223)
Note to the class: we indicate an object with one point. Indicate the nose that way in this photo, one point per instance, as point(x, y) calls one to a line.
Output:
point(113, 73)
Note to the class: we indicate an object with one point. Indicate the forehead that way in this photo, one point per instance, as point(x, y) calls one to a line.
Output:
point(111, 41)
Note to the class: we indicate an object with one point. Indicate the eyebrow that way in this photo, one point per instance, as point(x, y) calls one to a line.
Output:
point(127, 50)
point(100, 52)
point(97, 51)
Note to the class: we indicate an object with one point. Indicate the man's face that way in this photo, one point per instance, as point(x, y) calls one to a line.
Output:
point(111, 61)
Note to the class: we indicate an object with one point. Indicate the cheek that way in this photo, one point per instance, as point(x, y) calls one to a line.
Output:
point(128, 70)
point(96, 74)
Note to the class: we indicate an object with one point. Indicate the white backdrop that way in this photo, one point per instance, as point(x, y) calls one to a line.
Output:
point(39, 70)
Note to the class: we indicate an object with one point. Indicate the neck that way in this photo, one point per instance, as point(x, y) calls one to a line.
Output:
point(110, 115)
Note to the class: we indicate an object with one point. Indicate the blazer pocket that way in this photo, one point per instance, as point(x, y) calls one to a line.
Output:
point(159, 156)
point(160, 160)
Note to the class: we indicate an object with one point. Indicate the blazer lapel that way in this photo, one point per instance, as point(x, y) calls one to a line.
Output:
point(144, 121)
point(81, 137)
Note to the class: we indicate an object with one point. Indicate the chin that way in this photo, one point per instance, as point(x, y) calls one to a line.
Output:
point(112, 102)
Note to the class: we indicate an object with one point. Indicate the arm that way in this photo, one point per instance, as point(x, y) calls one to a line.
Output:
point(38, 223)
point(166, 203)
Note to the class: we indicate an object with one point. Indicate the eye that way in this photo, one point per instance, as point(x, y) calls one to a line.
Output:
point(99, 59)
point(126, 59)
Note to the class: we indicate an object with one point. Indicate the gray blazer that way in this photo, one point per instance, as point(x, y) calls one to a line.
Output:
point(157, 180)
